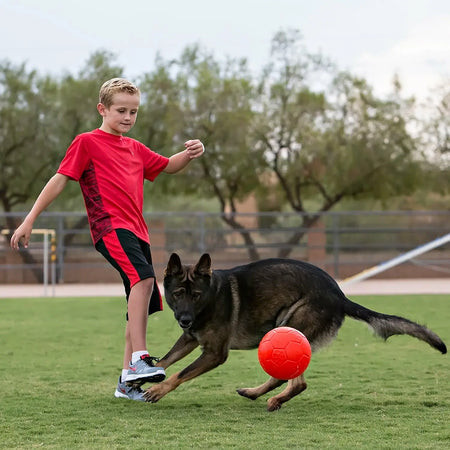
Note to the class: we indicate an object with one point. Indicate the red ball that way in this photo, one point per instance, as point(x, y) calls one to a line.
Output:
point(284, 353)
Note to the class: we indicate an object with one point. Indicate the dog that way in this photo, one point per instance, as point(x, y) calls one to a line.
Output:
point(220, 310)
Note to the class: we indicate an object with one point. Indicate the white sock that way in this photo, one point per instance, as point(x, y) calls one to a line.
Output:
point(124, 375)
point(137, 355)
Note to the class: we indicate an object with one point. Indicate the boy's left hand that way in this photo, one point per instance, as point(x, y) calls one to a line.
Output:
point(194, 148)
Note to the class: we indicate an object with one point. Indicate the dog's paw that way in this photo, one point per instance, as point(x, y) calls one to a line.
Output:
point(156, 392)
point(248, 393)
point(151, 396)
point(273, 404)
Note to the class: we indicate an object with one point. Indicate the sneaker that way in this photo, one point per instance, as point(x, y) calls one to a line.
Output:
point(144, 370)
point(131, 393)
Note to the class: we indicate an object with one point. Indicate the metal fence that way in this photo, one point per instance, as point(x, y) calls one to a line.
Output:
point(343, 243)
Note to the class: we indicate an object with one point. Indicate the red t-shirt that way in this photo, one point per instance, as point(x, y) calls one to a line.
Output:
point(111, 171)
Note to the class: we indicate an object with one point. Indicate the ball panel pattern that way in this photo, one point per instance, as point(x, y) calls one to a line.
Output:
point(284, 353)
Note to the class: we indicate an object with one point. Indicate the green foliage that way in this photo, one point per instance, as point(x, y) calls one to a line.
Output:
point(62, 358)
point(300, 135)
point(39, 117)
point(214, 103)
point(26, 119)
point(341, 143)
point(435, 136)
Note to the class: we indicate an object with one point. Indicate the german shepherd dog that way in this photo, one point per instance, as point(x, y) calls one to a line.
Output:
point(233, 309)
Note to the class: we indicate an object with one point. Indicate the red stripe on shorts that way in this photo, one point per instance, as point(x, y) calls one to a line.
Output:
point(116, 250)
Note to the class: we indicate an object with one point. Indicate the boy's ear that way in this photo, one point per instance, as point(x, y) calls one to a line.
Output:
point(101, 108)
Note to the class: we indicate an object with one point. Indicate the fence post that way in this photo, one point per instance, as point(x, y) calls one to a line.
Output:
point(336, 244)
point(158, 244)
point(60, 249)
point(316, 250)
point(202, 229)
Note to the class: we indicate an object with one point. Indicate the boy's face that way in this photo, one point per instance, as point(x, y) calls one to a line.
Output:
point(120, 117)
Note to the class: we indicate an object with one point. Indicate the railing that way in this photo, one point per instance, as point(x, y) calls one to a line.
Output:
point(343, 243)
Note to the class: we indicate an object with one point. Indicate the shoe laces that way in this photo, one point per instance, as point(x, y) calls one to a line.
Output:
point(150, 360)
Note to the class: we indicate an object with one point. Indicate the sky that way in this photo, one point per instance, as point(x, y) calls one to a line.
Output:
point(375, 39)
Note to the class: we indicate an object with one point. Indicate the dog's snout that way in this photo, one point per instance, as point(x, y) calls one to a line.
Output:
point(185, 321)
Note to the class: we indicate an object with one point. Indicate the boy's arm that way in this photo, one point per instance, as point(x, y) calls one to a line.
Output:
point(51, 190)
point(194, 149)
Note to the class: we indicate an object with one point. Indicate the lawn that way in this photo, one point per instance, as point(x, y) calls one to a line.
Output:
point(61, 358)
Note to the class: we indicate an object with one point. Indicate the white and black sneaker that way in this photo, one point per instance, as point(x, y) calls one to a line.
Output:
point(144, 371)
point(129, 392)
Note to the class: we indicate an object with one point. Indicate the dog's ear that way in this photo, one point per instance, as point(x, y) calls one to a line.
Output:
point(203, 267)
point(174, 266)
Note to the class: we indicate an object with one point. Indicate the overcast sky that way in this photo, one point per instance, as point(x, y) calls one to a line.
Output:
point(373, 38)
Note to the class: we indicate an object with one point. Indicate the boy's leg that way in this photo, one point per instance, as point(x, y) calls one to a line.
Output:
point(132, 258)
point(138, 302)
point(142, 367)
point(127, 352)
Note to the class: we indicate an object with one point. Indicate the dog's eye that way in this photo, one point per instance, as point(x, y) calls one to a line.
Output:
point(178, 294)
point(195, 296)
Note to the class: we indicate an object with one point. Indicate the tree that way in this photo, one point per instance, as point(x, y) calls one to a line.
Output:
point(196, 96)
point(25, 142)
point(327, 147)
point(439, 123)
point(289, 139)
point(291, 113)
point(435, 137)
point(219, 105)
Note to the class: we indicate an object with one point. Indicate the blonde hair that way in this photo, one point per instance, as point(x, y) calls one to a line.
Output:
point(115, 86)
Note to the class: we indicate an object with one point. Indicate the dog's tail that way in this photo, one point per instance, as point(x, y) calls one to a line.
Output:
point(385, 325)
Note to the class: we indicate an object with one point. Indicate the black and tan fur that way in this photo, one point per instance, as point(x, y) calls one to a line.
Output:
point(233, 309)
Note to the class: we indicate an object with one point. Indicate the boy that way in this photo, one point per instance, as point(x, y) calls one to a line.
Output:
point(111, 170)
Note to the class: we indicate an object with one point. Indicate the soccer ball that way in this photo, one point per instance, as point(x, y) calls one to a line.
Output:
point(284, 353)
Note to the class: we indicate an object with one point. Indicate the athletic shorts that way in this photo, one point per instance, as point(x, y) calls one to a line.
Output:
point(131, 256)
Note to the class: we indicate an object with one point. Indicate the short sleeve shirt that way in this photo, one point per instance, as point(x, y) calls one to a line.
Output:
point(111, 171)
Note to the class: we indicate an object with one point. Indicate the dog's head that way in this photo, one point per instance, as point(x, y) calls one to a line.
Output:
point(186, 288)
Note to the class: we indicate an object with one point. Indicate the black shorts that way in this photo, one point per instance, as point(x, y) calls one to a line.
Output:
point(131, 256)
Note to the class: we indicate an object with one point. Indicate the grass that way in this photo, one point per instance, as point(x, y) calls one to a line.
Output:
point(61, 359)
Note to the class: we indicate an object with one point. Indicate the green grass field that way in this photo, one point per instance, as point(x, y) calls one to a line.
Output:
point(61, 358)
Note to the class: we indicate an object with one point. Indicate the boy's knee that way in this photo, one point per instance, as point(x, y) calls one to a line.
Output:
point(149, 282)
point(145, 284)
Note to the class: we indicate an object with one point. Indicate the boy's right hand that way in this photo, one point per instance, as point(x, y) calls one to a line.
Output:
point(51, 190)
point(22, 232)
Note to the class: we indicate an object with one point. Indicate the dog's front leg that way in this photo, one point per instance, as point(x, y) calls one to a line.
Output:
point(204, 363)
point(181, 348)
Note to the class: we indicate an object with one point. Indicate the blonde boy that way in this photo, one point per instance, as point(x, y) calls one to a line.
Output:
point(111, 169)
